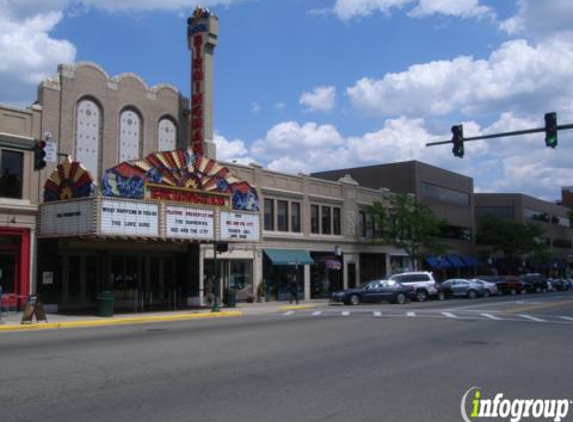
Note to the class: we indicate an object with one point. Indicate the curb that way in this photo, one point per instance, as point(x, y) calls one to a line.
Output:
point(295, 307)
point(118, 321)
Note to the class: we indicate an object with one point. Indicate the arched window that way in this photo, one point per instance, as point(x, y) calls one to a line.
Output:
point(166, 135)
point(130, 130)
point(88, 129)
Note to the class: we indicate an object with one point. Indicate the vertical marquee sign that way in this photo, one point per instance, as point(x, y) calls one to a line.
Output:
point(201, 43)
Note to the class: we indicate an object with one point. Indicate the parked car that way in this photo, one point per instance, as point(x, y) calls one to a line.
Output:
point(559, 284)
point(374, 292)
point(534, 283)
point(423, 282)
point(509, 285)
point(489, 286)
point(457, 287)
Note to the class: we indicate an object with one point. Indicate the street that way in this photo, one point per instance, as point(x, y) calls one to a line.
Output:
point(331, 363)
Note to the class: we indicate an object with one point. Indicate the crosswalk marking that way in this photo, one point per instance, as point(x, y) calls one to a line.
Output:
point(345, 313)
point(289, 313)
point(490, 316)
point(449, 315)
point(411, 314)
point(532, 318)
point(567, 318)
point(315, 313)
point(377, 313)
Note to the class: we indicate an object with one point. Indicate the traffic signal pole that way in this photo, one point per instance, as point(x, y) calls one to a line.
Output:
point(501, 135)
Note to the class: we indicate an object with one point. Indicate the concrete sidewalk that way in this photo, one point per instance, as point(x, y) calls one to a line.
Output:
point(11, 321)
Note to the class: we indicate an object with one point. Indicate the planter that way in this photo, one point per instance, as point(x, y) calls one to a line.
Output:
point(262, 299)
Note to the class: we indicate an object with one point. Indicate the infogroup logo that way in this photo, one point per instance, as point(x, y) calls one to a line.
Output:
point(474, 407)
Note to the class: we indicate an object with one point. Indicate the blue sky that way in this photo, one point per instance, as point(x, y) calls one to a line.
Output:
point(309, 85)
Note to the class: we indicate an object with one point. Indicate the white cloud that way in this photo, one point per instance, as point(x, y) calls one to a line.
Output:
point(322, 98)
point(461, 8)
point(516, 77)
point(256, 107)
point(28, 54)
point(232, 151)
point(513, 164)
point(349, 9)
point(280, 106)
point(540, 18)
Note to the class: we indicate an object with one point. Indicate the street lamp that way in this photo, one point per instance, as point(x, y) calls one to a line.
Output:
point(338, 254)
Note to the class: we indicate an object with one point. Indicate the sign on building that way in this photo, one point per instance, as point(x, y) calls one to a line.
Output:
point(67, 218)
point(239, 226)
point(189, 223)
point(129, 218)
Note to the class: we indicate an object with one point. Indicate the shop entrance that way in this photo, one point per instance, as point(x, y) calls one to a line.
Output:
point(144, 282)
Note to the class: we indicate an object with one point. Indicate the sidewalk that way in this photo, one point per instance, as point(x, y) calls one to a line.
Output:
point(11, 321)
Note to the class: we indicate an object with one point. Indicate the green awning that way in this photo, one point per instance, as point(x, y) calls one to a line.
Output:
point(289, 256)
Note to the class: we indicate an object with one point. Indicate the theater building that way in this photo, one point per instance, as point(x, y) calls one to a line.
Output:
point(133, 200)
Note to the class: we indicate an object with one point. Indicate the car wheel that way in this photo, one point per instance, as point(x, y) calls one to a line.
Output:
point(421, 295)
point(355, 300)
point(486, 293)
point(400, 299)
point(441, 296)
point(472, 294)
point(524, 291)
point(537, 289)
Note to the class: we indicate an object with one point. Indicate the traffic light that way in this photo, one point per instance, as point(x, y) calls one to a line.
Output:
point(222, 247)
point(458, 140)
point(39, 155)
point(551, 129)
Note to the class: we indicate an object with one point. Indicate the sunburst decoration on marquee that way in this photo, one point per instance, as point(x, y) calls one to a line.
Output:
point(69, 180)
point(182, 169)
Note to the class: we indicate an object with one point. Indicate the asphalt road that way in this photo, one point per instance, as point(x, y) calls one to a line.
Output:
point(299, 366)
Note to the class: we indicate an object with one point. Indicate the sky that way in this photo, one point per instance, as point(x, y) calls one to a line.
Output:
point(312, 85)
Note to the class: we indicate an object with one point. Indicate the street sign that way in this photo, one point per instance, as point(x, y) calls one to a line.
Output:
point(51, 152)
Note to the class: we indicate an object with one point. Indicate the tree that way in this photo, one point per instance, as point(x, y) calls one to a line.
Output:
point(407, 224)
point(512, 238)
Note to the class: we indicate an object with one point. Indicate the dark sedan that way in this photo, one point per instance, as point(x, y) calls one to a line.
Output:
point(375, 292)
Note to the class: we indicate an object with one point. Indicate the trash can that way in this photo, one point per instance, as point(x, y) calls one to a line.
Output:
point(231, 298)
point(105, 304)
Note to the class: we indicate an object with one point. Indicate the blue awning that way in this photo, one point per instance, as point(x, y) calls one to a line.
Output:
point(289, 256)
point(471, 261)
point(434, 262)
point(456, 261)
point(431, 261)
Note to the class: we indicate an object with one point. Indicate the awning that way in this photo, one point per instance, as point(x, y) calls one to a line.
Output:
point(456, 261)
point(434, 262)
point(289, 256)
point(471, 261)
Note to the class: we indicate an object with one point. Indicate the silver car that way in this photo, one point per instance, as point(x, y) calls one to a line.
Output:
point(489, 286)
point(456, 287)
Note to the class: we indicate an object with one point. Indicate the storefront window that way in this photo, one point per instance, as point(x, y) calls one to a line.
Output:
point(7, 272)
point(326, 220)
point(277, 278)
point(336, 221)
point(11, 174)
point(314, 219)
point(295, 216)
point(269, 214)
point(282, 216)
point(326, 274)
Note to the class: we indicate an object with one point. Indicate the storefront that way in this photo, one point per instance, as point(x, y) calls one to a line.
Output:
point(14, 266)
point(145, 234)
point(326, 275)
point(281, 269)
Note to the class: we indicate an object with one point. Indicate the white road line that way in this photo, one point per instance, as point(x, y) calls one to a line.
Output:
point(377, 313)
point(411, 314)
point(449, 315)
point(490, 316)
point(315, 313)
point(345, 313)
point(566, 318)
point(288, 313)
point(532, 318)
